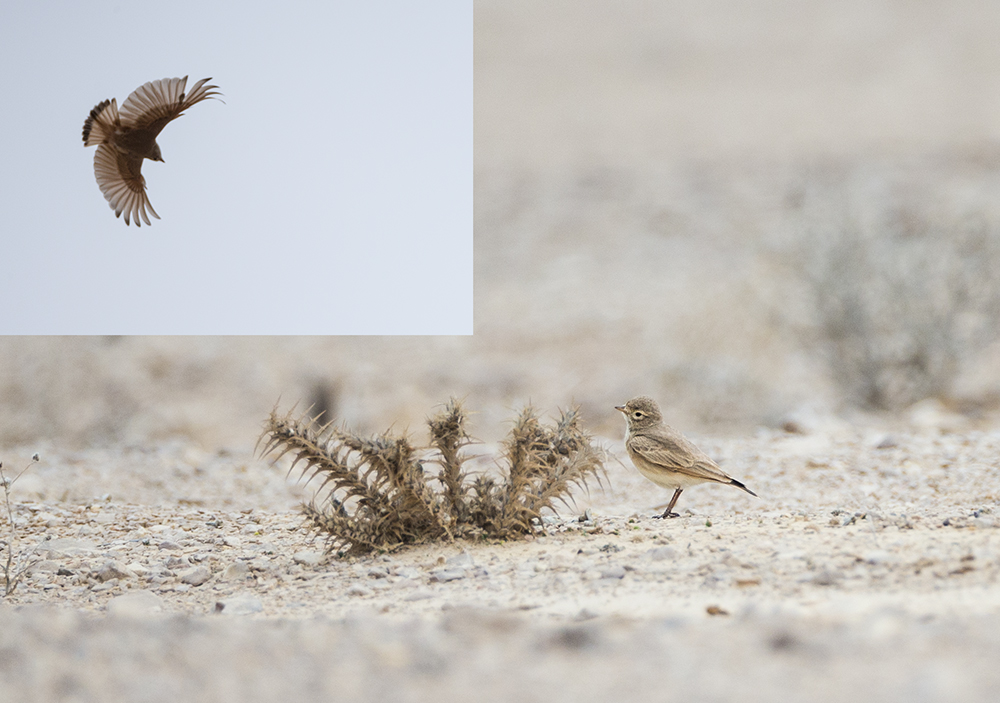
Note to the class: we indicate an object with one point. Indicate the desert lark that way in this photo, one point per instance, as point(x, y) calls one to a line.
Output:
point(124, 138)
point(664, 455)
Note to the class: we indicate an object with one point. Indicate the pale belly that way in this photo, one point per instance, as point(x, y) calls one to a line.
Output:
point(671, 480)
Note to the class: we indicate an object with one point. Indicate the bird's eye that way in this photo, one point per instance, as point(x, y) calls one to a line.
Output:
point(637, 414)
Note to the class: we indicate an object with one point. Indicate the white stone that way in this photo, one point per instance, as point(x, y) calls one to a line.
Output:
point(134, 604)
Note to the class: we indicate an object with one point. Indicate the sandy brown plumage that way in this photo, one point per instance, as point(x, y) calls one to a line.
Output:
point(664, 455)
point(125, 137)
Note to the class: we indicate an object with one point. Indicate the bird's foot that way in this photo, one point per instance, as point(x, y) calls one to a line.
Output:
point(666, 515)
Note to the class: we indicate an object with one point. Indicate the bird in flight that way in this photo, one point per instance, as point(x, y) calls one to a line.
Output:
point(125, 137)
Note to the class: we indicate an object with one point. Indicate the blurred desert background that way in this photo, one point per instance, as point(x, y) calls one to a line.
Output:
point(780, 219)
point(742, 210)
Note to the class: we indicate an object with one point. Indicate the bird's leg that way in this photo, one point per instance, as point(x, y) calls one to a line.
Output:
point(670, 505)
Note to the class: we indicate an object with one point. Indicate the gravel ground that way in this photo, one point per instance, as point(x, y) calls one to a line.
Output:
point(868, 566)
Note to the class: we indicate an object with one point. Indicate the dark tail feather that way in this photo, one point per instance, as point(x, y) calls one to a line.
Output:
point(101, 122)
point(736, 483)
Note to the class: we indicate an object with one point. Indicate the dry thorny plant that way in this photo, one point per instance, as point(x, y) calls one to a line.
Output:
point(14, 567)
point(384, 493)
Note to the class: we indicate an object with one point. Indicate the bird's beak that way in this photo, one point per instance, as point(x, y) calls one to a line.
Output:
point(620, 408)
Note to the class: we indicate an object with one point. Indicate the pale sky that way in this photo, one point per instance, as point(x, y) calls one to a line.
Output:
point(330, 194)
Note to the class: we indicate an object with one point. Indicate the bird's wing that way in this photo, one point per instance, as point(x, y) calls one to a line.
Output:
point(680, 456)
point(119, 176)
point(152, 105)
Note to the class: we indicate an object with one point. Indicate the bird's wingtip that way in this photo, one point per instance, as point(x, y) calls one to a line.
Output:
point(739, 484)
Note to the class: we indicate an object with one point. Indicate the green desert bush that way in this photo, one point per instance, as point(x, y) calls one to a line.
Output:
point(381, 492)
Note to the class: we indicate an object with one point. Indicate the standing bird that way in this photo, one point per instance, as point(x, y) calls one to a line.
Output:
point(125, 138)
point(663, 455)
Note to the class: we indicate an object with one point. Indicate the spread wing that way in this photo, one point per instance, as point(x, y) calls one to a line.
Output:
point(119, 176)
point(682, 457)
point(152, 105)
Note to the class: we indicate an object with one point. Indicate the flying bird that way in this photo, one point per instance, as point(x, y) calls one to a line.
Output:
point(125, 137)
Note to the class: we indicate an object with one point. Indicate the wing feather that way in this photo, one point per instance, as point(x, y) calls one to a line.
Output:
point(153, 105)
point(677, 456)
point(119, 176)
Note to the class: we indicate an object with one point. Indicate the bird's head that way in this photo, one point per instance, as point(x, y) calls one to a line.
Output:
point(641, 412)
point(155, 154)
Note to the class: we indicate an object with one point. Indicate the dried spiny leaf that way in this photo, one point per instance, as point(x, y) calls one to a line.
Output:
point(545, 465)
point(486, 504)
point(575, 460)
point(448, 438)
point(526, 449)
point(324, 456)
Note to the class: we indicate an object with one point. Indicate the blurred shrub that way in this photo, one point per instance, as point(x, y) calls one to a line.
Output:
point(903, 285)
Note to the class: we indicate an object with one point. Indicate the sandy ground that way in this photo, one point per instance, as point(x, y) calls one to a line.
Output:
point(635, 165)
point(868, 566)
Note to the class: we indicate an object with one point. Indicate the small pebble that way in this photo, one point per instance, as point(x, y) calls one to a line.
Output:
point(135, 604)
point(308, 557)
point(237, 571)
point(112, 570)
point(662, 553)
point(67, 546)
point(616, 571)
point(422, 594)
point(44, 565)
point(196, 576)
point(463, 559)
point(825, 578)
point(244, 604)
point(445, 575)
point(888, 442)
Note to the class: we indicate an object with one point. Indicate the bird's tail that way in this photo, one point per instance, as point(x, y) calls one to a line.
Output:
point(101, 123)
point(739, 484)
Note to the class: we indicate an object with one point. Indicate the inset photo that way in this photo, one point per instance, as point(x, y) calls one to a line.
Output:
point(320, 181)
